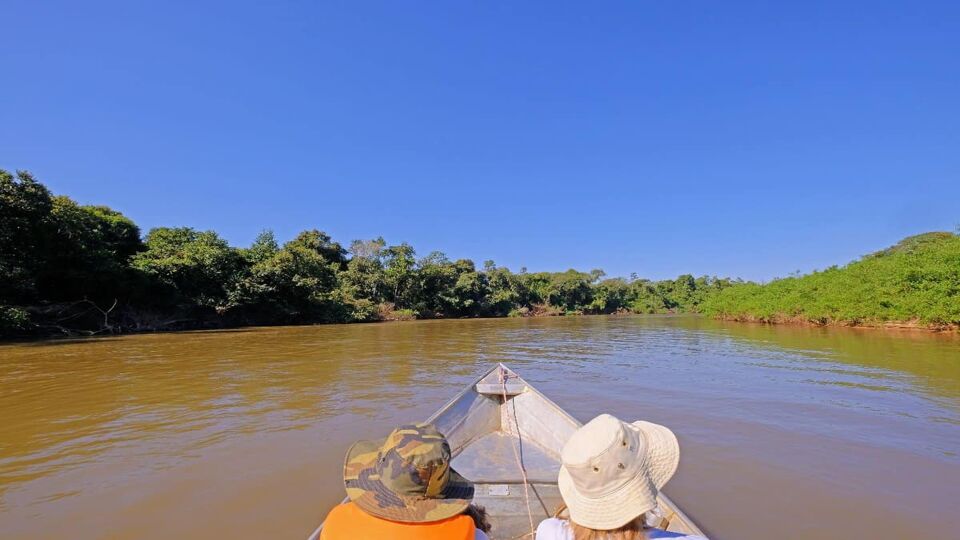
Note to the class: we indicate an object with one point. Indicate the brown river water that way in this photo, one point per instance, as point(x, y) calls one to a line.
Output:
point(786, 432)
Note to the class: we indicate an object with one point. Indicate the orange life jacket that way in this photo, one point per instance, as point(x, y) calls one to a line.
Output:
point(349, 522)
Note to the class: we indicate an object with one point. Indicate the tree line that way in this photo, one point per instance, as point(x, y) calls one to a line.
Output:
point(78, 269)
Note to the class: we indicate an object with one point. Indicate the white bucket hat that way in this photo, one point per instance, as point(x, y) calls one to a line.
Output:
point(611, 471)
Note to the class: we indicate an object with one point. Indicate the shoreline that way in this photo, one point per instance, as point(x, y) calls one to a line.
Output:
point(889, 326)
point(905, 326)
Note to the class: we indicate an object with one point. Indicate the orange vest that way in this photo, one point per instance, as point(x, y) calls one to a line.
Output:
point(349, 522)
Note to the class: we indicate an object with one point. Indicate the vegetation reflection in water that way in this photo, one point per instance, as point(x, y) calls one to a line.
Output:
point(185, 430)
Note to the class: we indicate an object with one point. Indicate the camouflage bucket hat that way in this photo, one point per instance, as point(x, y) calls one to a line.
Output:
point(406, 477)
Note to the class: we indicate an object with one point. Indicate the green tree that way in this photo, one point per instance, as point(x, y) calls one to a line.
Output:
point(436, 278)
point(25, 206)
point(362, 283)
point(470, 295)
point(297, 283)
point(609, 296)
point(505, 291)
point(87, 255)
point(199, 267)
point(55, 253)
point(264, 247)
point(677, 295)
point(400, 276)
point(643, 296)
point(570, 290)
point(534, 288)
point(322, 244)
point(364, 276)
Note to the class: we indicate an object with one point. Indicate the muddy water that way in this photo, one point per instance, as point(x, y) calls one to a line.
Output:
point(786, 432)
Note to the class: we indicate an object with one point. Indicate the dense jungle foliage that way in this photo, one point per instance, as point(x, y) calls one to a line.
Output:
point(915, 281)
point(73, 269)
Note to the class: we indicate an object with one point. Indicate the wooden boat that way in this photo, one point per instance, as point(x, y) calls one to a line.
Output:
point(500, 421)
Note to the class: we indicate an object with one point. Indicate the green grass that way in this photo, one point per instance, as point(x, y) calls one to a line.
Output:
point(915, 281)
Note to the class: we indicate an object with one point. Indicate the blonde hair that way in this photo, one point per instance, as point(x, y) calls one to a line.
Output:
point(634, 530)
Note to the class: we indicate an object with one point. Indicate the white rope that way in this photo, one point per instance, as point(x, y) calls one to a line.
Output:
point(502, 373)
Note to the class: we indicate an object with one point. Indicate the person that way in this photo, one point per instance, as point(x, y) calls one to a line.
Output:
point(610, 474)
point(403, 488)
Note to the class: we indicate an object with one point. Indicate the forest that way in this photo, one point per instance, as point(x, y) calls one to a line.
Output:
point(71, 269)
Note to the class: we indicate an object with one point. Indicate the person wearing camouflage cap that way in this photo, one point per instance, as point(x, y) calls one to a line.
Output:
point(403, 487)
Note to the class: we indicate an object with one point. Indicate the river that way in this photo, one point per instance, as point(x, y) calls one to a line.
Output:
point(786, 432)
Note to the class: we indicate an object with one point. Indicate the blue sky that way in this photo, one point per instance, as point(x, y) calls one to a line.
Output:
point(743, 139)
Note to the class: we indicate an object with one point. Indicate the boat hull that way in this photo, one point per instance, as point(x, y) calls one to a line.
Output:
point(498, 423)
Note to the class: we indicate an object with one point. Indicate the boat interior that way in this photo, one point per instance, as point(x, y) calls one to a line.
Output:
point(506, 438)
point(495, 425)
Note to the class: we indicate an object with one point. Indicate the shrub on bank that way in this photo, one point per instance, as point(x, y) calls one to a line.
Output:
point(915, 281)
point(13, 320)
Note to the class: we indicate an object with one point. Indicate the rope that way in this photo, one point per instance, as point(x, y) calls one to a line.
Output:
point(502, 374)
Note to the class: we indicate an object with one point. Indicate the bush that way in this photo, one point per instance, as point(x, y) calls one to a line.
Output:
point(403, 315)
point(917, 280)
point(13, 320)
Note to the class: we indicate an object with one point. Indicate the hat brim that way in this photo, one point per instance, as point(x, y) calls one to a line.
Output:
point(663, 451)
point(366, 490)
point(635, 497)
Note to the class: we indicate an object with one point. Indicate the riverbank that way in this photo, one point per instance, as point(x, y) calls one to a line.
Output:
point(913, 284)
point(87, 270)
point(913, 327)
point(127, 322)
point(909, 326)
point(79, 270)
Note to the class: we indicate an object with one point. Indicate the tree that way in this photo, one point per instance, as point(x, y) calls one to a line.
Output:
point(322, 244)
point(470, 291)
point(504, 290)
point(24, 210)
point(570, 290)
point(117, 234)
point(199, 267)
point(399, 275)
point(368, 249)
point(62, 261)
point(436, 278)
point(362, 284)
point(264, 246)
point(364, 276)
point(534, 288)
point(643, 296)
point(296, 283)
point(87, 253)
point(609, 295)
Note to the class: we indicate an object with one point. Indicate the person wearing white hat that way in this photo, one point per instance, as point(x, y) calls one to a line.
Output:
point(610, 474)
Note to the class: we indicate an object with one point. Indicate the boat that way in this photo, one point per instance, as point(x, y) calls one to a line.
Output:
point(506, 437)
